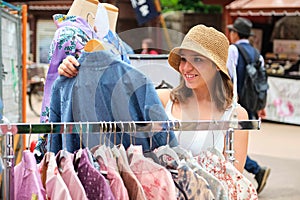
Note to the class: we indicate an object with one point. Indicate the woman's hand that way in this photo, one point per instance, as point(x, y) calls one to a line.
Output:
point(68, 67)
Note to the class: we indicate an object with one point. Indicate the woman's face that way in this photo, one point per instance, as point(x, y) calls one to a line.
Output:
point(197, 70)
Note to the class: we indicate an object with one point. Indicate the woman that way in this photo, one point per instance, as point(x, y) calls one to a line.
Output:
point(205, 91)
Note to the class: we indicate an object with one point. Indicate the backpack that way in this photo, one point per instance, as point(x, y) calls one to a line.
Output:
point(253, 95)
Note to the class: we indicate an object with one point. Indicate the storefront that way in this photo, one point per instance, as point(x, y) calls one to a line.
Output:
point(276, 25)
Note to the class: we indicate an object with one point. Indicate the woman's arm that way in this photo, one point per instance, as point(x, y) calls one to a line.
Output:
point(68, 67)
point(241, 142)
point(164, 96)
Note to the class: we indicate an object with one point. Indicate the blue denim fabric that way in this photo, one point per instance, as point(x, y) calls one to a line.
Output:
point(251, 166)
point(106, 89)
point(117, 42)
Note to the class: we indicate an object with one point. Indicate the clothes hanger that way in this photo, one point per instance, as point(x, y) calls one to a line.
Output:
point(29, 137)
point(164, 85)
point(100, 153)
point(93, 45)
point(115, 150)
point(78, 154)
point(63, 154)
point(181, 152)
point(130, 149)
point(47, 155)
point(150, 154)
point(167, 150)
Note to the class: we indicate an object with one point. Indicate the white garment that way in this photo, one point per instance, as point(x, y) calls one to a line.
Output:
point(198, 141)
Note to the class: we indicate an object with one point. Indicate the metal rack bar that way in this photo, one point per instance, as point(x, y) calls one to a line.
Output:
point(140, 126)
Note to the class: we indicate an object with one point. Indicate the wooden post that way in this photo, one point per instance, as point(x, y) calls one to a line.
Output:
point(163, 24)
point(24, 69)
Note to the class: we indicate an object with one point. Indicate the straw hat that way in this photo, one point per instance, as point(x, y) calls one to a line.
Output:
point(206, 41)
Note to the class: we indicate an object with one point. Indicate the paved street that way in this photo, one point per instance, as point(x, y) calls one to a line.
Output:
point(276, 146)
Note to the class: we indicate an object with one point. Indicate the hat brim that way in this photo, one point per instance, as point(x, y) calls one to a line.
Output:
point(175, 58)
point(230, 27)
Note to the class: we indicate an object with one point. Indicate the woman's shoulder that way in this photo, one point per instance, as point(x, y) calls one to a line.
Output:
point(164, 96)
point(242, 113)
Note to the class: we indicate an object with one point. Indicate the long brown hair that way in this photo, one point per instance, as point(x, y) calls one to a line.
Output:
point(222, 92)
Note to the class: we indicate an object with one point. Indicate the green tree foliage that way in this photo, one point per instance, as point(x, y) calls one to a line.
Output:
point(189, 5)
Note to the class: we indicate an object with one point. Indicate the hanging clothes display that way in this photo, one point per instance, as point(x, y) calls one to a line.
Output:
point(130, 171)
point(106, 89)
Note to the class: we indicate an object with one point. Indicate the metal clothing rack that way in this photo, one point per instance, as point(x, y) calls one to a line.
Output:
point(130, 127)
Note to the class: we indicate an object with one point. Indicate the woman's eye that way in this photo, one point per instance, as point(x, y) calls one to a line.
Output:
point(197, 59)
point(183, 59)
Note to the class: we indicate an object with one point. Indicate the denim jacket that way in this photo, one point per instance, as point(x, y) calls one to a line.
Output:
point(72, 34)
point(106, 89)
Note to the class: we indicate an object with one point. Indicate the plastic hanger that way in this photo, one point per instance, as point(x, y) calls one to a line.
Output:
point(93, 45)
point(115, 150)
point(150, 154)
point(181, 152)
point(100, 153)
point(29, 137)
point(164, 85)
point(167, 150)
point(63, 153)
point(79, 152)
point(47, 156)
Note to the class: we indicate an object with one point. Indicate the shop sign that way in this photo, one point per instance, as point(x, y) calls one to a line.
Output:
point(145, 10)
point(286, 46)
point(283, 103)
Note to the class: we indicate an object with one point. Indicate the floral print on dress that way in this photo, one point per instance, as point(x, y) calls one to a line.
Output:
point(71, 35)
point(156, 180)
point(238, 186)
point(194, 186)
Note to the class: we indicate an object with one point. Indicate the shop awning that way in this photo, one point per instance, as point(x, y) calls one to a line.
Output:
point(264, 8)
point(49, 5)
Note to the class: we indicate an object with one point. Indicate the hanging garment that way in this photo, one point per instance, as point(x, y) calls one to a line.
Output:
point(134, 187)
point(116, 41)
point(27, 179)
point(156, 180)
point(197, 141)
point(72, 34)
point(70, 177)
point(92, 180)
point(238, 186)
point(216, 186)
point(52, 180)
point(115, 181)
point(193, 185)
point(106, 89)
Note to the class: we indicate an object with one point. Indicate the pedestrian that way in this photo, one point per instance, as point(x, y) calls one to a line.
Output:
point(239, 33)
point(147, 47)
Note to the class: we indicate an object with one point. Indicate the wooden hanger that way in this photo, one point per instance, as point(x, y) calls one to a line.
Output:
point(93, 45)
